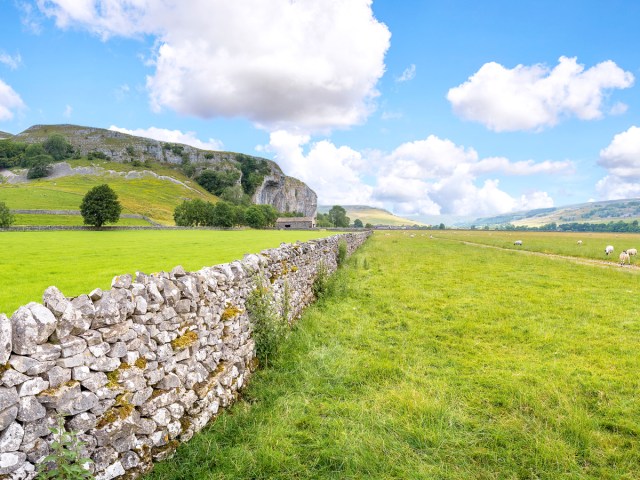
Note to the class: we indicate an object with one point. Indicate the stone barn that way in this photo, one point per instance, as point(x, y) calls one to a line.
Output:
point(296, 223)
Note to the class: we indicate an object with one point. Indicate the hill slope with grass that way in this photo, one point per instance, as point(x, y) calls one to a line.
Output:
point(372, 215)
point(141, 191)
point(150, 177)
point(262, 179)
point(592, 212)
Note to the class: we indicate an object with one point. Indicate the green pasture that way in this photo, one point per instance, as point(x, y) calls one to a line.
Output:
point(147, 196)
point(560, 243)
point(432, 359)
point(69, 220)
point(78, 261)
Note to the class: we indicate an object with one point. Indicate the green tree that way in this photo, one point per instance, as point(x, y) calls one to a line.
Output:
point(100, 205)
point(368, 225)
point(338, 216)
point(323, 221)
point(270, 214)
point(358, 223)
point(235, 195)
point(223, 215)
point(254, 217)
point(58, 147)
point(441, 226)
point(216, 181)
point(194, 213)
point(6, 217)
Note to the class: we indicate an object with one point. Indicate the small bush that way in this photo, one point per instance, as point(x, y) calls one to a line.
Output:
point(342, 252)
point(321, 282)
point(6, 217)
point(269, 328)
point(65, 462)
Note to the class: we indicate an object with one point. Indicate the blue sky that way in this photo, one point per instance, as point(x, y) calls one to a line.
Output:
point(421, 107)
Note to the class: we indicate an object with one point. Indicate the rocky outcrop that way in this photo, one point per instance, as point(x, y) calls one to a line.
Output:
point(286, 194)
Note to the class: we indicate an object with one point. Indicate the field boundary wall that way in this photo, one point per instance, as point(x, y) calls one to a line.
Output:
point(138, 369)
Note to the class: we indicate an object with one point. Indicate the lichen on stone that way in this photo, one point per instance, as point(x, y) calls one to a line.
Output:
point(230, 312)
point(185, 340)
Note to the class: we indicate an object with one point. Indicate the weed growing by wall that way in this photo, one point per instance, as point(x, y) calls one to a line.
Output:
point(269, 328)
point(321, 282)
point(342, 252)
point(65, 462)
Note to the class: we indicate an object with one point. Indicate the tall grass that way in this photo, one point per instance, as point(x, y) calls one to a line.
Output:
point(465, 363)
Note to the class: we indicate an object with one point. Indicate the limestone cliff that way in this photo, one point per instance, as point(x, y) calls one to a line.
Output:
point(286, 194)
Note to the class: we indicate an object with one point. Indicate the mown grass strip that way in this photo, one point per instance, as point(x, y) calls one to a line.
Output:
point(442, 363)
point(77, 262)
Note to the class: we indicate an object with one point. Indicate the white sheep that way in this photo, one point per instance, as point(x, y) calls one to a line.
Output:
point(579, 242)
point(632, 251)
point(624, 257)
point(518, 242)
point(608, 249)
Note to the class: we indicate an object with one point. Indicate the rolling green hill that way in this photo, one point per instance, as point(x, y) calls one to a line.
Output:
point(372, 215)
point(592, 212)
point(143, 191)
point(5, 135)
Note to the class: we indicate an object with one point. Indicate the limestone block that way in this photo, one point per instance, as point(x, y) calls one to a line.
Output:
point(11, 438)
point(141, 306)
point(104, 364)
point(7, 416)
point(6, 342)
point(92, 337)
point(11, 461)
point(129, 460)
point(46, 352)
point(72, 345)
point(81, 373)
point(8, 397)
point(103, 457)
point(121, 281)
point(61, 398)
point(75, 361)
point(35, 430)
point(140, 396)
point(145, 426)
point(32, 387)
point(95, 381)
point(100, 349)
point(30, 409)
point(117, 332)
point(31, 326)
point(86, 401)
point(82, 422)
point(117, 350)
point(36, 450)
point(87, 312)
point(11, 378)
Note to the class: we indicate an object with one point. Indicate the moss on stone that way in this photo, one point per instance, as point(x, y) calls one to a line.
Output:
point(185, 340)
point(230, 312)
point(119, 412)
point(141, 363)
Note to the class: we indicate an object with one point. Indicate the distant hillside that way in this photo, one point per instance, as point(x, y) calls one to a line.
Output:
point(5, 135)
point(154, 194)
point(592, 212)
point(260, 178)
point(372, 215)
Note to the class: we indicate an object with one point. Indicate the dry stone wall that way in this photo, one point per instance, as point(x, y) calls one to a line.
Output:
point(143, 366)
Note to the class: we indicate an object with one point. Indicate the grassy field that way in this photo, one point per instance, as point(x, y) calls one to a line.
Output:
point(148, 196)
point(593, 244)
point(69, 220)
point(442, 363)
point(78, 262)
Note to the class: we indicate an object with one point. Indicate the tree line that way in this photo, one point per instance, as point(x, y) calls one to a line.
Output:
point(619, 227)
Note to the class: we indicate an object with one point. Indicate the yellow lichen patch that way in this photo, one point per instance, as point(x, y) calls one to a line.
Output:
point(185, 340)
point(294, 269)
point(141, 363)
point(53, 390)
point(4, 368)
point(230, 312)
point(116, 413)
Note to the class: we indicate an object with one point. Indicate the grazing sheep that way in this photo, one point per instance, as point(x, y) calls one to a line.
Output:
point(632, 251)
point(624, 257)
point(518, 242)
point(608, 249)
point(579, 242)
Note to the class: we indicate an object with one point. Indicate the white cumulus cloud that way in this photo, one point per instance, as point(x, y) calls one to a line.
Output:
point(282, 64)
point(10, 101)
point(173, 136)
point(621, 159)
point(430, 176)
point(534, 97)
